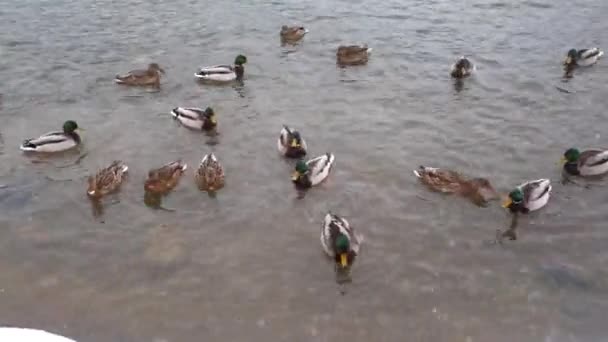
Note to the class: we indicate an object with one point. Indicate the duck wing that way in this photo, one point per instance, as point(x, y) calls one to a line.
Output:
point(48, 138)
point(591, 158)
point(535, 190)
point(216, 69)
point(317, 164)
point(168, 170)
point(589, 53)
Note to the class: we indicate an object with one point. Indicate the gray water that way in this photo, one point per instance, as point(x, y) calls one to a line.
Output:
point(247, 265)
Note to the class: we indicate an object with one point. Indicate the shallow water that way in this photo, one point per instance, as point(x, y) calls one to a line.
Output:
point(247, 264)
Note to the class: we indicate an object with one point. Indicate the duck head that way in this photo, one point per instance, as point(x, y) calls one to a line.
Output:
point(155, 68)
point(514, 201)
point(570, 161)
point(342, 248)
point(70, 126)
point(92, 190)
point(571, 57)
point(210, 114)
point(300, 170)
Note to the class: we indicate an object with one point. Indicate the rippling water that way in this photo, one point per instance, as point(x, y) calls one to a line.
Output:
point(247, 265)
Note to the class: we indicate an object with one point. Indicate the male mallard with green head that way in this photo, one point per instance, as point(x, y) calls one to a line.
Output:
point(223, 73)
point(165, 178)
point(195, 118)
point(292, 34)
point(107, 180)
point(587, 163)
point(291, 144)
point(584, 57)
point(54, 141)
point(529, 196)
point(353, 55)
point(210, 174)
point(147, 77)
point(312, 172)
point(340, 241)
point(478, 190)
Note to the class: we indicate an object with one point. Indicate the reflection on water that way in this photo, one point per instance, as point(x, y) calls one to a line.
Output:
point(247, 264)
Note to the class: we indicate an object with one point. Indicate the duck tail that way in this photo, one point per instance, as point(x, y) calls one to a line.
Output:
point(175, 112)
point(27, 146)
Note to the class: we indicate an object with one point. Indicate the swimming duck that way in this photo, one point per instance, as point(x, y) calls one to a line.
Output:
point(223, 73)
point(312, 172)
point(353, 54)
point(529, 196)
point(210, 174)
point(54, 141)
point(462, 68)
point(195, 118)
point(107, 180)
point(340, 241)
point(291, 144)
point(584, 57)
point(293, 33)
point(148, 77)
point(165, 178)
point(10, 334)
point(586, 163)
point(478, 190)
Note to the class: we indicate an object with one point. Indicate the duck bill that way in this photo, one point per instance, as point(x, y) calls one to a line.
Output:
point(507, 203)
point(295, 176)
point(294, 143)
point(568, 60)
point(213, 119)
point(563, 160)
point(343, 260)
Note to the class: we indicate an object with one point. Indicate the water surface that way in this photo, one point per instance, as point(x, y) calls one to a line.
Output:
point(247, 264)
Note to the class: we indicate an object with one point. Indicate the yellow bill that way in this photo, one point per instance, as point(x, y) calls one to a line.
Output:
point(213, 120)
point(295, 176)
point(568, 60)
point(294, 143)
point(344, 259)
point(507, 203)
point(563, 160)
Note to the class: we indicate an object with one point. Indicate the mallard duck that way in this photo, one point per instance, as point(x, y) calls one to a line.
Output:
point(462, 68)
point(312, 172)
point(353, 54)
point(293, 33)
point(54, 141)
point(107, 180)
point(210, 174)
point(165, 178)
point(586, 163)
point(340, 241)
point(529, 196)
point(291, 144)
point(585, 57)
point(148, 77)
point(29, 335)
point(478, 190)
point(223, 73)
point(195, 118)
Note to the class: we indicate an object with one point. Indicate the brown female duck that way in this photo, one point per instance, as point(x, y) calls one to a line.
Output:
point(353, 55)
point(478, 190)
point(165, 178)
point(293, 33)
point(148, 77)
point(210, 174)
point(107, 180)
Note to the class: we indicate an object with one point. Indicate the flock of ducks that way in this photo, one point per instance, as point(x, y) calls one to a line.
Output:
point(338, 238)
